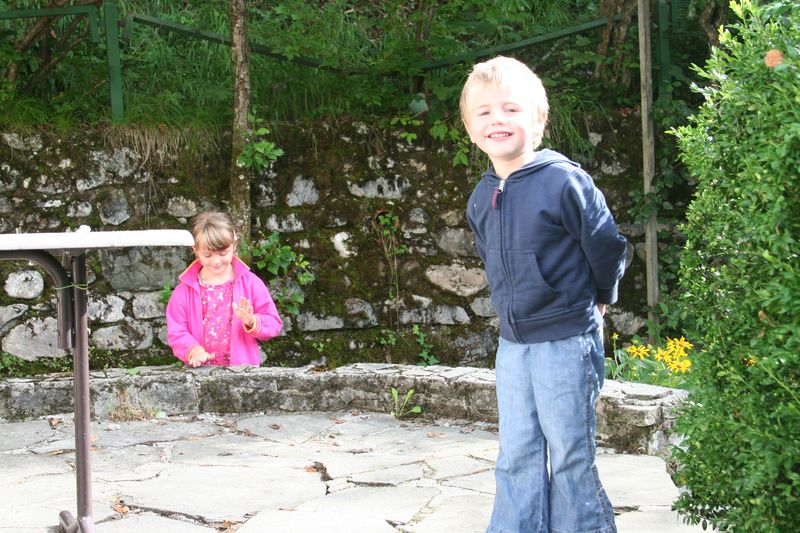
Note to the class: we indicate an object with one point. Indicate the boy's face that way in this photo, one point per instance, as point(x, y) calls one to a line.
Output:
point(501, 121)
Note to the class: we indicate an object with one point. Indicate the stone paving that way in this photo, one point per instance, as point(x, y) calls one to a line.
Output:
point(343, 472)
point(296, 450)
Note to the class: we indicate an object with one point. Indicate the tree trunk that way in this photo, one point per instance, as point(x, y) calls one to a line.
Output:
point(711, 18)
point(52, 55)
point(240, 176)
point(35, 31)
point(614, 35)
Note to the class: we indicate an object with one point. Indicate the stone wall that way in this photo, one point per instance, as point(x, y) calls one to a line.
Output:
point(631, 417)
point(323, 197)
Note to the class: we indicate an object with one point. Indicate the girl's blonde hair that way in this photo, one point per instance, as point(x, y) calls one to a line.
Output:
point(503, 72)
point(213, 230)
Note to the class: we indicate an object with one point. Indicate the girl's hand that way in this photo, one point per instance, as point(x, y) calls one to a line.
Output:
point(198, 356)
point(244, 312)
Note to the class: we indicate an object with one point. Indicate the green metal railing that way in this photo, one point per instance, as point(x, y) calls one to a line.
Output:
point(112, 38)
point(112, 41)
point(114, 62)
point(218, 39)
point(519, 45)
point(86, 11)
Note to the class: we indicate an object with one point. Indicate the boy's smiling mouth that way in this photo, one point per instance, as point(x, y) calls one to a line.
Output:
point(499, 135)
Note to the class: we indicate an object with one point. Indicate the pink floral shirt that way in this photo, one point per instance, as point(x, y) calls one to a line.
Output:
point(217, 303)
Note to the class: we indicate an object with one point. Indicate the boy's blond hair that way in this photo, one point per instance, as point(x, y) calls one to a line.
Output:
point(213, 230)
point(502, 72)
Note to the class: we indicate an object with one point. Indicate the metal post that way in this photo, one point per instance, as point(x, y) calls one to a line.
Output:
point(83, 468)
point(110, 19)
point(648, 160)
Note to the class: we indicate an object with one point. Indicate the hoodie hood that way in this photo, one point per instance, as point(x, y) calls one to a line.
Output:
point(544, 158)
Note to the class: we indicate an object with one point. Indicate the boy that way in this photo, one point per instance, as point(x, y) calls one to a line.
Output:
point(553, 259)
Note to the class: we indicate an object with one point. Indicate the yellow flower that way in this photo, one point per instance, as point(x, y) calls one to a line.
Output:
point(662, 354)
point(676, 352)
point(749, 360)
point(679, 365)
point(615, 336)
point(638, 351)
point(680, 345)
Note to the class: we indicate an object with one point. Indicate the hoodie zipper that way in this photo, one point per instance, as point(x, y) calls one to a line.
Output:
point(498, 190)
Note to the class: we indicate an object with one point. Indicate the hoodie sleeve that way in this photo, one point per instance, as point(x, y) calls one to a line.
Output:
point(179, 336)
point(268, 322)
point(588, 219)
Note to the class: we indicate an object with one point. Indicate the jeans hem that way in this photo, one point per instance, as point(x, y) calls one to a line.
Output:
point(601, 530)
point(494, 529)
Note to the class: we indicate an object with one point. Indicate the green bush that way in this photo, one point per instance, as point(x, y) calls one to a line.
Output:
point(739, 465)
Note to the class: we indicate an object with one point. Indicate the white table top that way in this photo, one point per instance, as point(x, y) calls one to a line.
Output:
point(85, 239)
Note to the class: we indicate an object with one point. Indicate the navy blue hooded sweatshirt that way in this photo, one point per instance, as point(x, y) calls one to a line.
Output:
point(550, 246)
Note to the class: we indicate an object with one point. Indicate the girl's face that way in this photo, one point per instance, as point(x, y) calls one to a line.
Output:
point(214, 261)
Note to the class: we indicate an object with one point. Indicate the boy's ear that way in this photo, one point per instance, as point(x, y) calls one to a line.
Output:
point(541, 120)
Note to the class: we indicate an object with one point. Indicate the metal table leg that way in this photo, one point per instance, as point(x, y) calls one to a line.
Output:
point(73, 332)
point(73, 329)
point(83, 467)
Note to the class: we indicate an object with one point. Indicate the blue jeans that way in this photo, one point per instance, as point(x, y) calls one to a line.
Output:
point(546, 393)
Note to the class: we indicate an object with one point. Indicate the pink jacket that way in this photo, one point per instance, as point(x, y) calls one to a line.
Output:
point(185, 315)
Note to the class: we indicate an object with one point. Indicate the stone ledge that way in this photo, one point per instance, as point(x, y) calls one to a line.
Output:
point(632, 417)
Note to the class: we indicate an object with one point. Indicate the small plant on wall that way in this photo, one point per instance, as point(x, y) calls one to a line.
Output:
point(387, 339)
point(291, 271)
point(387, 226)
point(258, 153)
point(400, 407)
point(425, 356)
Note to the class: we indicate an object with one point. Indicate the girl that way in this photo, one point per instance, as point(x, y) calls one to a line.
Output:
point(220, 309)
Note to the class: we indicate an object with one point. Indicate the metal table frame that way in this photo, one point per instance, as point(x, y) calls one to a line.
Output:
point(69, 277)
